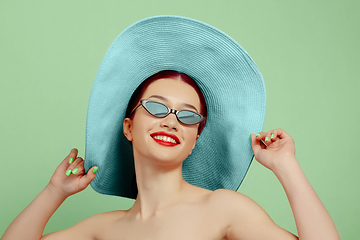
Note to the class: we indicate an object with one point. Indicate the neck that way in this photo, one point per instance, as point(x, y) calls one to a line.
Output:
point(159, 186)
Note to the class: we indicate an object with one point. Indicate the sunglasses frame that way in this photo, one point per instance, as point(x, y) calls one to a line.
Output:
point(176, 112)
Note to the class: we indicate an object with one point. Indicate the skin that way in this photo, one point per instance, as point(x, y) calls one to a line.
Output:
point(167, 207)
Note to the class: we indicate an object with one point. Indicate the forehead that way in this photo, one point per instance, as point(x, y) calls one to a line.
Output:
point(175, 90)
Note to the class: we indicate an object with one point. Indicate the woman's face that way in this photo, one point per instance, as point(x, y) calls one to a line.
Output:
point(164, 139)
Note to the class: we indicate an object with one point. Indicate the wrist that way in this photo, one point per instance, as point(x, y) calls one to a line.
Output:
point(54, 192)
point(286, 167)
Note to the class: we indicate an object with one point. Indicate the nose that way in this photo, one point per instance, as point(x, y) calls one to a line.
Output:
point(170, 122)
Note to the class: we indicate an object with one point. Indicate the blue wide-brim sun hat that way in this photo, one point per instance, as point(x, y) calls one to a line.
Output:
point(231, 82)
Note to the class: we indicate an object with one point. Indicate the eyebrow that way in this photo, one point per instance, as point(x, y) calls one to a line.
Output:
point(166, 100)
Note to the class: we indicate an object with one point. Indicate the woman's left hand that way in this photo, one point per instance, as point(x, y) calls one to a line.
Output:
point(277, 150)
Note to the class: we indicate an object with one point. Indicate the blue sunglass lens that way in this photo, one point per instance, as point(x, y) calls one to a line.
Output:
point(188, 117)
point(160, 110)
point(157, 109)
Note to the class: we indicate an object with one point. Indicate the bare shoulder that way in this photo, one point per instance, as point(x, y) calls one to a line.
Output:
point(100, 220)
point(246, 218)
point(232, 202)
point(109, 216)
point(88, 228)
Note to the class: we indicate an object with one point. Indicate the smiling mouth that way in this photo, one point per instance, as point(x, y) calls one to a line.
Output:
point(165, 139)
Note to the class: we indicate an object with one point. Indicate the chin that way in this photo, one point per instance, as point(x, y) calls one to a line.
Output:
point(168, 157)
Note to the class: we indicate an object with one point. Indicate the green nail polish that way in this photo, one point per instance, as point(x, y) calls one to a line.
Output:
point(272, 136)
point(71, 160)
point(95, 169)
point(75, 171)
point(257, 135)
point(68, 172)
point(266, 139)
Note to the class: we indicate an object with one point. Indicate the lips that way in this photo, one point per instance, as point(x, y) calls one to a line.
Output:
point(165, 139)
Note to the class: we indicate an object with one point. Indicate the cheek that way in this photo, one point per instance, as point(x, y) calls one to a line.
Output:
point(142, 124)
point(191, 133)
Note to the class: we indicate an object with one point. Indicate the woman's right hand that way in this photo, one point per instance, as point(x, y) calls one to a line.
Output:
point(67, 183)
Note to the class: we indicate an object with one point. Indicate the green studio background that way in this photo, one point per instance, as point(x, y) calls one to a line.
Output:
point(308, 52)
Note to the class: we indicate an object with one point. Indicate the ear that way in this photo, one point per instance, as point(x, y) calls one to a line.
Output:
point(197, 137)
point(127, 128)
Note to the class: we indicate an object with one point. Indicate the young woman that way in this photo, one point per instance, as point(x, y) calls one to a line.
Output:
point(163, 123)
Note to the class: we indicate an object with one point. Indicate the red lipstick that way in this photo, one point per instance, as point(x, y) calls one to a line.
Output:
point(165, 143)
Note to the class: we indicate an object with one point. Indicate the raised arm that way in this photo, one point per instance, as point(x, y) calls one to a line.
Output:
point(30, 223)
point(311, 218)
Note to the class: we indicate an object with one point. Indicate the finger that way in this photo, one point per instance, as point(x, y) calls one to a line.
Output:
point(282, 134)
point(77, 166)
point(63, 166)
point(279, 134)
point(273, 136)
point(90, 175)
point(76, 162)
point(80, 168)
point(261, 137)
point(73, 154)
point(267, 140)
point(255, 143)
point(69, 159)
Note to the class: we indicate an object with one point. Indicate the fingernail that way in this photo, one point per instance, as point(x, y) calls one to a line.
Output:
point(272, 136)
point(71, 160)
point(266, 139)
point(95, 169)
point(75, 171)
point(68, 172)
point(257, 135)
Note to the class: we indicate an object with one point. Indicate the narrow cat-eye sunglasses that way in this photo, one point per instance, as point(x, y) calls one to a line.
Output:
point(161, 110)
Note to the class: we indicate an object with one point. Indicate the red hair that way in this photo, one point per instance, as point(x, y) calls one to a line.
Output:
point(136, 97)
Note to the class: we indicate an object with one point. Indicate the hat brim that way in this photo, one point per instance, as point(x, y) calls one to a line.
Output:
point(231, 82)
